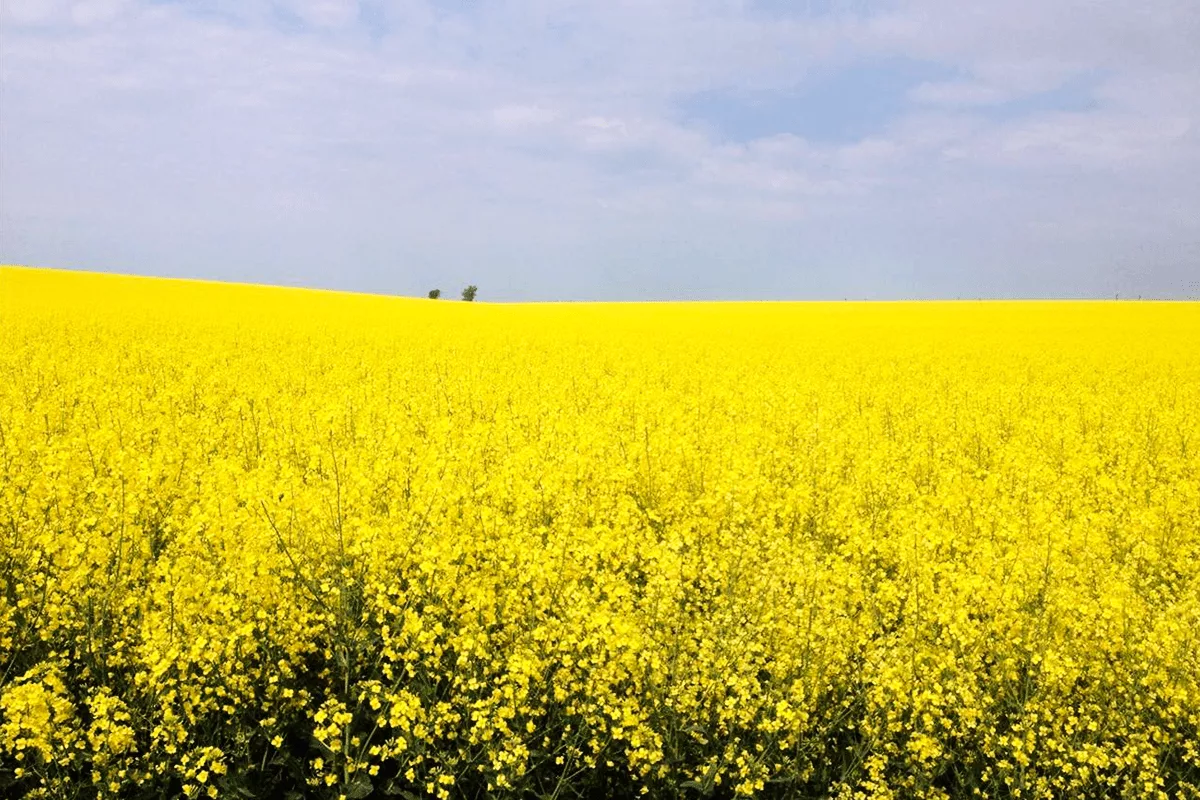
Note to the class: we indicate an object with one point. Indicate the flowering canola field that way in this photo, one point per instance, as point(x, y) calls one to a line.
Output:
point(257, 541)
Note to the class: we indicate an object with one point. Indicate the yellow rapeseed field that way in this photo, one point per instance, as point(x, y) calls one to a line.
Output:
point(258, 540)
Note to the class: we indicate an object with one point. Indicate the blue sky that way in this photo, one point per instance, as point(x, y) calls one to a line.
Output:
point(610, 149)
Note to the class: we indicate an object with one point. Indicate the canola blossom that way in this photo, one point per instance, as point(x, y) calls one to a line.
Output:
point(258, 540)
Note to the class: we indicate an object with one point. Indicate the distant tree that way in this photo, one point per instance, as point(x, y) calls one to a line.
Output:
point(434, 294)
point(469, 293)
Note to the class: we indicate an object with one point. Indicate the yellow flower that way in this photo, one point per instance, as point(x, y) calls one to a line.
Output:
point(843, 549)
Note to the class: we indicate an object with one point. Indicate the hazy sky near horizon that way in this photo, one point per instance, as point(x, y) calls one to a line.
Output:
point(609, 149)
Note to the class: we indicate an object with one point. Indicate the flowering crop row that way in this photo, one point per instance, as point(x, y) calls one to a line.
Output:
point(257, 541)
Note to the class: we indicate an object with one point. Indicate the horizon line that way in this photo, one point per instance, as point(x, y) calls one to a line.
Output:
point(1116, 298)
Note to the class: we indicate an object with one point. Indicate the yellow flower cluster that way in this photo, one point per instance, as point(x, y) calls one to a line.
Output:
point(257, 541)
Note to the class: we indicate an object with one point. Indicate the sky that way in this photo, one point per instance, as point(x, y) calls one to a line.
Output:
point(610, 149)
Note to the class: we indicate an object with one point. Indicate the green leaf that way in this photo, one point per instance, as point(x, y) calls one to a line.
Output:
point(359, 788)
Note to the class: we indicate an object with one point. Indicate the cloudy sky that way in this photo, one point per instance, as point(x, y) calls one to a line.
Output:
point(610, 149)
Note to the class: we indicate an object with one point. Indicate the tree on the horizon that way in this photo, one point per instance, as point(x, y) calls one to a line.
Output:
point(468, 294)
point(434, 294)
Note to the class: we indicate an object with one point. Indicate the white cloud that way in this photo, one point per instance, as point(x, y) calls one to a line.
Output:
point(1117, 143)
point(33, 12)
point(960, 93)
point(92, 12)
point(518, 118)
point(326, 13)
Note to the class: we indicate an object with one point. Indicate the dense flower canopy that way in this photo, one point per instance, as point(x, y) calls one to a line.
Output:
point(266, 540)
